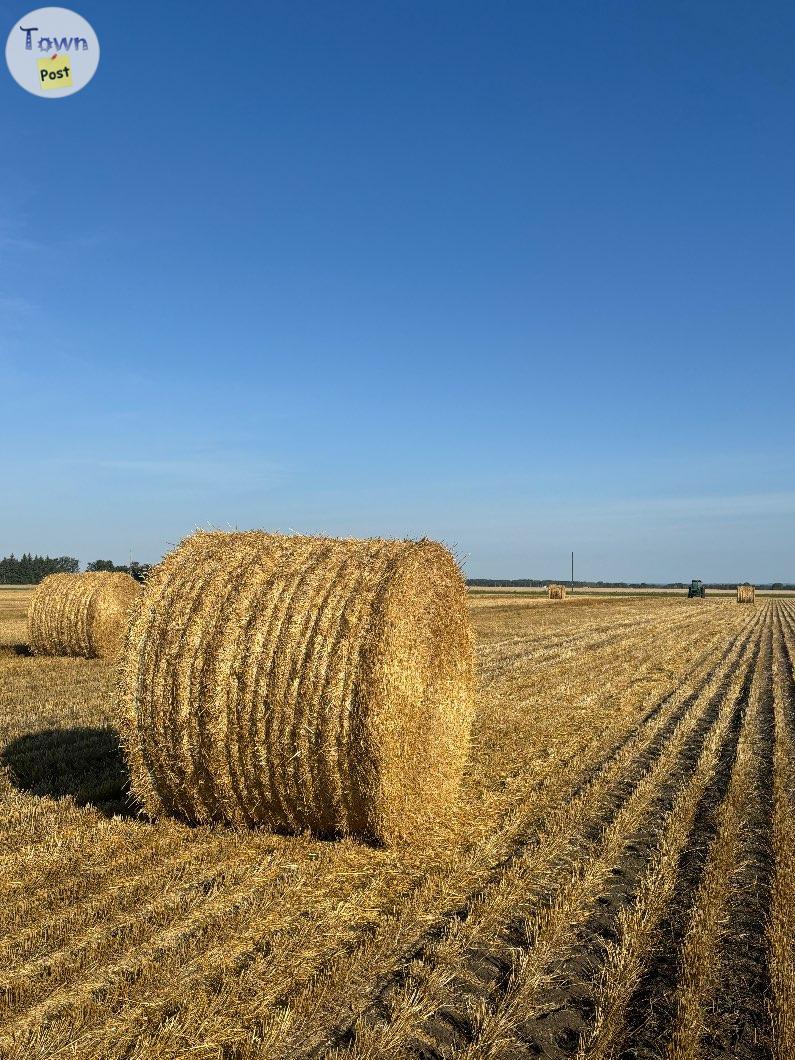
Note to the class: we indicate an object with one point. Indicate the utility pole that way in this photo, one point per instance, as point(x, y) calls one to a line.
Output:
point(572, 573)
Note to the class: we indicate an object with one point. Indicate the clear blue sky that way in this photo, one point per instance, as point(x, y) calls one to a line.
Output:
point(518, 276)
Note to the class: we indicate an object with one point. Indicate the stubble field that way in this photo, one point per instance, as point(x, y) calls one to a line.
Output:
point(618, 881)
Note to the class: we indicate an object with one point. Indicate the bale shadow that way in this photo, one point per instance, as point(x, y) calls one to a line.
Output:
point(85, 763)
point(8, 651)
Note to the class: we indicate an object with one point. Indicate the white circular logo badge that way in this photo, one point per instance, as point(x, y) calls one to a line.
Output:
point(52, 52)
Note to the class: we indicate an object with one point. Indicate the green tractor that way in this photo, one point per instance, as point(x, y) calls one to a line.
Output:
point(696, 589)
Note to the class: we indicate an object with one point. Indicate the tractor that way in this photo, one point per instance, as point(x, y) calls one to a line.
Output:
point(696, 589)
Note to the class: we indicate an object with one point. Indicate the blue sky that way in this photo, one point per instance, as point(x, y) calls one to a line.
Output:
point(518, 276)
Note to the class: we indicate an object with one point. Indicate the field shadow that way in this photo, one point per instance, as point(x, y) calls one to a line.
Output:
point(85, 763)
point(8, 651)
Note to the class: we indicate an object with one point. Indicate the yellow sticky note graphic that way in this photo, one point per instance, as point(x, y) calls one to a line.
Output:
point(55, 72)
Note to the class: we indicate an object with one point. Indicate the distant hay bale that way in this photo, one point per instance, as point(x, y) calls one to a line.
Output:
point(300, 683)
point(745, 594)
point(81, 614)
point(557, 592)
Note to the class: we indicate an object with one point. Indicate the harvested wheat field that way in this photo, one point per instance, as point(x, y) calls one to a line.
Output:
point(617, 881)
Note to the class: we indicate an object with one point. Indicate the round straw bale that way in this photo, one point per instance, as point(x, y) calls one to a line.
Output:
point(300, 683)
point(81, 614)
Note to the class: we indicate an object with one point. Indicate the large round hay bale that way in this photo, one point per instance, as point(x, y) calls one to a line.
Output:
point(300, 683)
point(81, 614)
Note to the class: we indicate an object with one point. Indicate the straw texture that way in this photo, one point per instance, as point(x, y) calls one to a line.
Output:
point(745, 594)
point(81, 614)
point(557, 592)
point(300, 683)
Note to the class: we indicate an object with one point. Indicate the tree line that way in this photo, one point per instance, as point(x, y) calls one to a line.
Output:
point(29, 569)
point(537, 583)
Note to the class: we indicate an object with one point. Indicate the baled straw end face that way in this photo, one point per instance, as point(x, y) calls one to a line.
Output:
point(417, 677)
point(112, 609)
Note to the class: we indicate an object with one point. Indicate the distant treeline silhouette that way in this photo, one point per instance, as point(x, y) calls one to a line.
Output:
point(30, 569)
point(538, 583)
